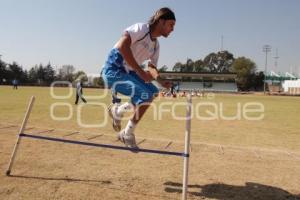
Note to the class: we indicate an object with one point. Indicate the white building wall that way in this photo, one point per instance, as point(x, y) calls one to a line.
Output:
point(290, 84)
point(216, 86)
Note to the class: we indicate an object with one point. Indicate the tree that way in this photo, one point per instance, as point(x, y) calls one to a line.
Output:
point(219, 62)
point(245, 68)
point(80, 75)
point(98, 82)
point(225, 60)
point(24, 78)
point(177, 67)
point(3, 72)
point(163, 68)
point(210, 61)
point(49, 74)
point(66, 73)
point(32, 75)
point(258, 81)
point(40, 75)
point(199, 66)
point(189, 66)
point(15, 71)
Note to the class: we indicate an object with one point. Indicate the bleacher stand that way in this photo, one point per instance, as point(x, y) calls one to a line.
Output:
point(211, 87)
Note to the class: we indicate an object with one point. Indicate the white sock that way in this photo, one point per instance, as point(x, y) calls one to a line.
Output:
point(115, 110)
point(125, 107)
point(130, 128)
point(117, 105)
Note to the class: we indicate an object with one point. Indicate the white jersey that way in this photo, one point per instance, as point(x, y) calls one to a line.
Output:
point(78, 88)
point(142, 47)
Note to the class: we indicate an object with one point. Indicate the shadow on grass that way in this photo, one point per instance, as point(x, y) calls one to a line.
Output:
point(102, 184)
point(249, 191)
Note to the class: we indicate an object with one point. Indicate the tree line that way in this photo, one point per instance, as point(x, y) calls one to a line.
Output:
point(248, 78)
point(41, 75)
point(220, 62)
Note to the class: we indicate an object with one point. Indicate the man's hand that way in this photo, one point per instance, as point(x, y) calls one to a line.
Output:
point(153, 71)
point(155, 74)
point(146, 76)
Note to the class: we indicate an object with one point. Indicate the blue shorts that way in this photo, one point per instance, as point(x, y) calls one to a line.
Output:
point(128, 84)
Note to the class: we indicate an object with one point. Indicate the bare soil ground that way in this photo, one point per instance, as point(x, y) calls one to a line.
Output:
point(50, 170)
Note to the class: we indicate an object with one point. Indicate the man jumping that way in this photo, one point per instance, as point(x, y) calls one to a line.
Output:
point(122, 71)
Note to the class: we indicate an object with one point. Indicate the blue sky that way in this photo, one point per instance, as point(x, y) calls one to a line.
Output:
point(81, 32)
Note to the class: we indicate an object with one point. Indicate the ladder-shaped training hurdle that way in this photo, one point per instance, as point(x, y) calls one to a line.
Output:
point(184, 154)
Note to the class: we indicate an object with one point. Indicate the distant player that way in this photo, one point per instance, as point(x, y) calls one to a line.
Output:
point(123, 74)
point(15, 83)
point(79, 93)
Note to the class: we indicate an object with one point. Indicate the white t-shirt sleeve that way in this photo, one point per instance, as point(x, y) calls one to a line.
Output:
point(136, 31)
point(78, 89)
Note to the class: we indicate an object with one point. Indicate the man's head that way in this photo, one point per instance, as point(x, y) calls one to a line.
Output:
point(163, 21)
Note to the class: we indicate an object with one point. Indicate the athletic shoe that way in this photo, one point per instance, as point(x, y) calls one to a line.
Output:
point(128, 139)
point(116, 119)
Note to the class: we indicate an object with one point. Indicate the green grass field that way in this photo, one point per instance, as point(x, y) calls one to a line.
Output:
point(237, 159)
point(279, 129)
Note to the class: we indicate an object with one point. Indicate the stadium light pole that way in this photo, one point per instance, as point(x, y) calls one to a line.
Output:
point(266, 49)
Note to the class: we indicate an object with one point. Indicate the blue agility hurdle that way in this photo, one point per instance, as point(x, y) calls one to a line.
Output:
point(184, 154)
point(170, 153)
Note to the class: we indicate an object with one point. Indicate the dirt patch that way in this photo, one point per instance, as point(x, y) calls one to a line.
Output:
point(49, 170)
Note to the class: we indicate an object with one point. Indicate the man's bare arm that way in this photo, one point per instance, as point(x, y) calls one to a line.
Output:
point(124, 47)
point(155, 74)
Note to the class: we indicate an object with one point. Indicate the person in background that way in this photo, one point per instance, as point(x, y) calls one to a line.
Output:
point(15, 83)
point(79, 93)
